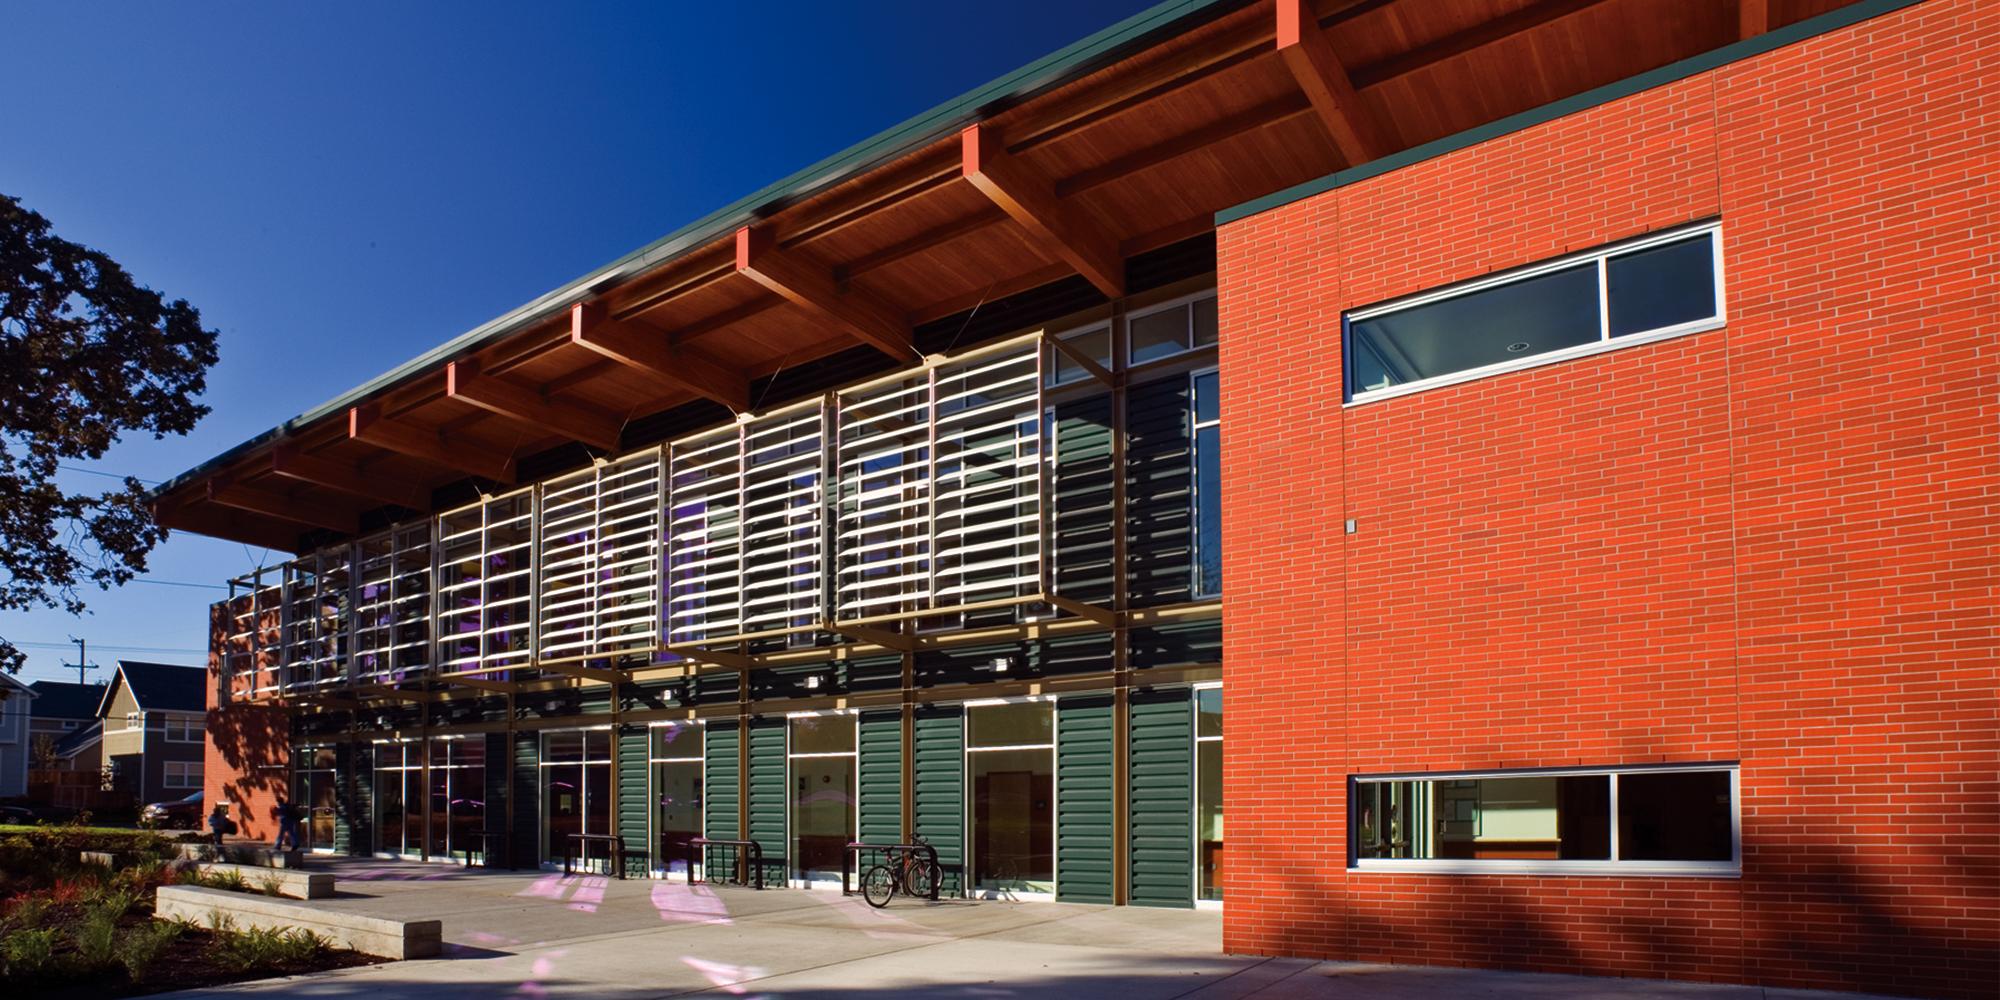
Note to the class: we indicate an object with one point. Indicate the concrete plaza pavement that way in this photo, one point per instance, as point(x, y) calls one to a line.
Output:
point(543, 935)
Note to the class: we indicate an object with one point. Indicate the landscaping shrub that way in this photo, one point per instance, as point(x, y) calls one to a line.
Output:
point(257, 948)
point(97, 936)
point(29, 952)
point(141, 946)
point(28, 910)
point(272, 885)
point(230, 879)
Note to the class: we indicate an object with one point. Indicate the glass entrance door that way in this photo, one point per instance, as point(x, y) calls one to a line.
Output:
point(313, 791)
point(399, 799)
point(457, 796)
point(576, 789)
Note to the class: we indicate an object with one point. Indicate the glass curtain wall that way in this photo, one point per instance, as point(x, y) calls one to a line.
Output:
point(399, 799)
point(675, 760)
point(1010, 764)
point(1208, 792)
point(822, 758)
point(457, 796)
point(576, 788)
point(313, 791)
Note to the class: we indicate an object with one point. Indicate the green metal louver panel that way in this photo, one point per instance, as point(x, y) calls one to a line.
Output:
point(1158, 490)
point(632, 801)
point(1083, 500)
point(767, 795)
point(526, 843)
point(499, 760)
point(722, 787)
point(346, 823)
point(940, 781)
point(1162, 799)
point(1086, 817)
point(881, 773)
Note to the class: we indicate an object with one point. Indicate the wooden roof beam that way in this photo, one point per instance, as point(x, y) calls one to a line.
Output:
point(221, 522)
point(1030, 200)
point(464, 382)
point(813, 289)
point(366, 424)
point(298, 510)
point(1316, 67)
point(591, 327)
point(291, 461)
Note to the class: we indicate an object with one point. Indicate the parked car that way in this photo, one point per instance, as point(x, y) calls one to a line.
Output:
point(180, 814)
point(17, 815)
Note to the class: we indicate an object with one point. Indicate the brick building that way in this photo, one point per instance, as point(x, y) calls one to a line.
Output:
point(1591, 407)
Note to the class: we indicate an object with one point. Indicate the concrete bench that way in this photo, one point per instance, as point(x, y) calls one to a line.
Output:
point(293, 882)
point(383, 936)
point(244, 853)
point(104, 859)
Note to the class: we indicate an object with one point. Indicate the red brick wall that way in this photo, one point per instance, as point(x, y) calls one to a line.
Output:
point(247, 749)
point(1774, 542)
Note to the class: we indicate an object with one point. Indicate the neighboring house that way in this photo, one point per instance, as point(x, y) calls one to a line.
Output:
point(153, 719)
point(64, 733)
point(16, 705)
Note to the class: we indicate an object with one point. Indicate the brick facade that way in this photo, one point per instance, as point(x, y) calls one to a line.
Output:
point(1771, 543)
point(248, 749)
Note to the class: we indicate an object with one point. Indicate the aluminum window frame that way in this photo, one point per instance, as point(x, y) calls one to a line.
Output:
point(1605, 342)
point(1194, 786)
point(1188, 347)
point(663, 867)
point(968, 863)
point(1614, 866)
point(1197, 586)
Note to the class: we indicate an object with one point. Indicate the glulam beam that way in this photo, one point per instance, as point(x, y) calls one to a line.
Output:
point(464, 382)
point(812, 288)
point(592, 328)
point(366, 424)
point(291, 462)
point(1030, 200)
point(306, 511)
point(1317, 69)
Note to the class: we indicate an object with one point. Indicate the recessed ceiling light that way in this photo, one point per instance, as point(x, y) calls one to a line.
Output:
point(1517, 347)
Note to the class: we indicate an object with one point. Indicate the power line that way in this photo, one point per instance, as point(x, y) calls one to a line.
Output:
point(111, 648)
point(107, 475)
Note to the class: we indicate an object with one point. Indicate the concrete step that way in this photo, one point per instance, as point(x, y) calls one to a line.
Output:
point(244, 852)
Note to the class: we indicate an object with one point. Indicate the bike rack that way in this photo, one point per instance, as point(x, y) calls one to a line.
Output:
point(747, 851)
point(850, 862)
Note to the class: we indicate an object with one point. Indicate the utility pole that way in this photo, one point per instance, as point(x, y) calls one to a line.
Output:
point(82, 662)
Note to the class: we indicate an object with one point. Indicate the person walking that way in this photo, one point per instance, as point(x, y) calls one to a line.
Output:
point(288, 825)
point(219, 824)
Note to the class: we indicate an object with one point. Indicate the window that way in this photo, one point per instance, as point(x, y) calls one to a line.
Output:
point(1011, 769)
point(1660, 286)
point(1659, 820)
point(68, 724)
point(1207, 494)
point(182, 774)
point(1164, 331)
point(135, 720)
point(185, 729)
point(1208, 792)
point(1093, 342)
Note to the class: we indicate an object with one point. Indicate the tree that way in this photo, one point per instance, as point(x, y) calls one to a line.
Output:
point(86, 355)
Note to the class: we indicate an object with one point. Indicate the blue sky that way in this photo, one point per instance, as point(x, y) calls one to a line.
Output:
point(340, 186)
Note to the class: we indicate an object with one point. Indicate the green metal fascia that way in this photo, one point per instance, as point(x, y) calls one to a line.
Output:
point(1053, 70)
point(1811, 27)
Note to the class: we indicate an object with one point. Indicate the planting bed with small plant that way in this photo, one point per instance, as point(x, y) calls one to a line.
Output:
point(73, 930)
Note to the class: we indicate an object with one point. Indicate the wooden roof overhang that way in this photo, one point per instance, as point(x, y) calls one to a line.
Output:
point(1128, 141)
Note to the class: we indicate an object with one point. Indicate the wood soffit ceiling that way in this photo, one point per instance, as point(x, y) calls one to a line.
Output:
point(1127, 158)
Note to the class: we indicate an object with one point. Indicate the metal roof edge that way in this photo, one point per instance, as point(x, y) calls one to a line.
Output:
point(1061, 66)
point(1777, 38)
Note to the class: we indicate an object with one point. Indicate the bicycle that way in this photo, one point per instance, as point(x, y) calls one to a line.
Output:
point(907, 872)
